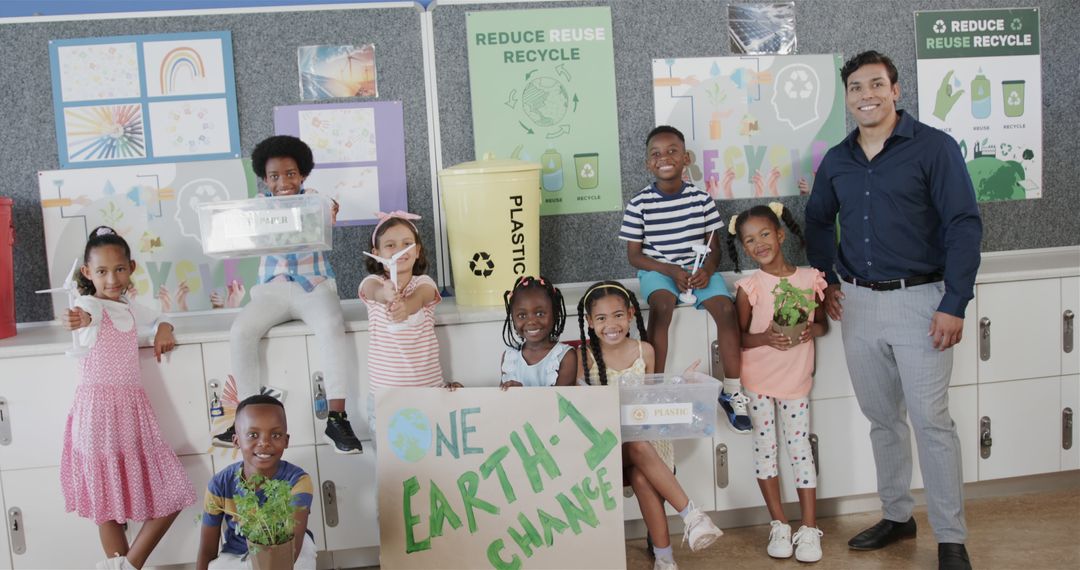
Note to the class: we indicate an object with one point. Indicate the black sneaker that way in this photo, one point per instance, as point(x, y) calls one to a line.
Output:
point(224, 439)
point(340, 433)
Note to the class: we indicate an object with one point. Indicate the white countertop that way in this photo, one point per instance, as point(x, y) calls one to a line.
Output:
point(44, 338)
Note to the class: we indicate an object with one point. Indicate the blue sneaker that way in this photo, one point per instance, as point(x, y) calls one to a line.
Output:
point(735, 407)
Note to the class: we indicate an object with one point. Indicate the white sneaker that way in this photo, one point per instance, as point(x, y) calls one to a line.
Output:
point(807, 544)
point(665, 565)
point(700, 530)
point(780, 540)
point(115, 563)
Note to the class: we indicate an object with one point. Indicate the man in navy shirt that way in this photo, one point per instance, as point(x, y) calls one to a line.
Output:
point(907, 258)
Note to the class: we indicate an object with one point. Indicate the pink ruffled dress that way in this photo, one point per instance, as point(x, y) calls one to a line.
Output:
point(115, 465)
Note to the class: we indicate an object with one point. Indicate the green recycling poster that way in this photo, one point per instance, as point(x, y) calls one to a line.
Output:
point(980, 80)
point(543, 90)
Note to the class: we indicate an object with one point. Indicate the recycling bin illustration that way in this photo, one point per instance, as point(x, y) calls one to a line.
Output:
point(493, 221)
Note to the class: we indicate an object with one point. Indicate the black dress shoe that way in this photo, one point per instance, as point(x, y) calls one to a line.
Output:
point(884, 533)
point(952, 556)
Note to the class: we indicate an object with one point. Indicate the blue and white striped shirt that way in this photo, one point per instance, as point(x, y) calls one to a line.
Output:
point(668, 225)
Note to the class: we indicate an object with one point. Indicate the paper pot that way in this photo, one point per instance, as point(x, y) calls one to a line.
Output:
point(277, 557)
point(793, 332)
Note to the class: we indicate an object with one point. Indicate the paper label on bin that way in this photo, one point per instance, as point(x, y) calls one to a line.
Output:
point(256, 222)
point(654, 414)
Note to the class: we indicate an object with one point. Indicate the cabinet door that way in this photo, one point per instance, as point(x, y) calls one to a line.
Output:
point(1025, 423)
point(742, 488)
point(39, 391)
point(353, 478)
point(304, 457)
point(357, 388)
point(284, 366)
point(175, 389)
point(689, 327)
point(1025, 329)
point(1070, 399)
point(845, 456)
point(5, 548)
point(470, 353)
point(54, 538)
point(831, 377)
point(1070, 303)
point(964, 409)
point(181, 544)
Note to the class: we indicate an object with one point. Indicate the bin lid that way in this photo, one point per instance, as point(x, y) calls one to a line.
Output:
point(488, 165)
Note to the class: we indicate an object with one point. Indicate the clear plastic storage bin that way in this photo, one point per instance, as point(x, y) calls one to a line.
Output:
point(668, 406)
point(262, 226)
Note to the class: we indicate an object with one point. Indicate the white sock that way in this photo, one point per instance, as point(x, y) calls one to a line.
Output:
point(664, 553)
point(686, 510)
point(732, 386)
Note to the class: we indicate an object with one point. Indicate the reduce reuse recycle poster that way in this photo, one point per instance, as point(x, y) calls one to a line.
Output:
point(980, 80)
point(543, 90)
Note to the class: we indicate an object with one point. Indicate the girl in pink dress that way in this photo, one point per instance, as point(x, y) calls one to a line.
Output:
point(776, 373)
point(116, 466)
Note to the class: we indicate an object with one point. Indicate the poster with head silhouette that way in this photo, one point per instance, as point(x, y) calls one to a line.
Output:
point(755, 125)
point(154, 208)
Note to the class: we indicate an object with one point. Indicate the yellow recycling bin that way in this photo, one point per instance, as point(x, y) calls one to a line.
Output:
point(493, 221)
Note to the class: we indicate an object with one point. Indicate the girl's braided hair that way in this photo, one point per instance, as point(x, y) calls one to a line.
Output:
point(558, 308)
point(761, 211)
point(99, 237)
point(591, 342)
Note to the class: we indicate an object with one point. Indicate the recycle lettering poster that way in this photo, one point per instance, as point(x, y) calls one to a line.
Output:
point(486, 478)
point(754, 124)
point(980, 80)
point(543, 90)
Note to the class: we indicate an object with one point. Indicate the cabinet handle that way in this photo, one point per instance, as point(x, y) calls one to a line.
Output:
point(329, 499)
point(722, 466)
point(1067, 331)
point(984, 339)
point(985, 439)
point(322, 407)
point(814, 451)
point(1066, 428)
point(5, 423)
point(717, 367)
point(17, 530)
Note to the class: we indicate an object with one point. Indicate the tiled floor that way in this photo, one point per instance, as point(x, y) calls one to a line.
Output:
point(1025, 532)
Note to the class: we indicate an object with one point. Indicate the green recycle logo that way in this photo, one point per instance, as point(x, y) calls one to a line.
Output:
point(546, 102)
point(1016, 25)
point(939, 26)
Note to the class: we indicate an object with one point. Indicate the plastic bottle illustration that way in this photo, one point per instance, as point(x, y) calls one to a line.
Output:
point(551, 170)
point(980, 96)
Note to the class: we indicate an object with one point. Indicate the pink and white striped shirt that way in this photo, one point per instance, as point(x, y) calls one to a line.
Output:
point(405, 355)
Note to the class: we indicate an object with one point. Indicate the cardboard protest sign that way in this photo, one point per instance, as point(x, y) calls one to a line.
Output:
point(482, 478)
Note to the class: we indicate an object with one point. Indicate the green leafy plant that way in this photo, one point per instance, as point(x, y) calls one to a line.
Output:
point(792, 305)
point(269, 522)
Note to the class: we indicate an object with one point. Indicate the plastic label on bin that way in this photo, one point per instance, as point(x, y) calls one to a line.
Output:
point(234, 223)
point(656, 414)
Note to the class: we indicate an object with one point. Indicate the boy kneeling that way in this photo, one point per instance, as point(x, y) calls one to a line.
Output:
point(262, 434)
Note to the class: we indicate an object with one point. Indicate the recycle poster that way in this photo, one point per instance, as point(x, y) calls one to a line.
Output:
point(980, 80)
point(486, 478)
point(543, 90)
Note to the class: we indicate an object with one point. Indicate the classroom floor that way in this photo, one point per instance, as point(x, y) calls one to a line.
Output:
point(1030, 531)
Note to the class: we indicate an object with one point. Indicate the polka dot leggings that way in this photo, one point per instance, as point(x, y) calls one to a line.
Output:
point(795, 423)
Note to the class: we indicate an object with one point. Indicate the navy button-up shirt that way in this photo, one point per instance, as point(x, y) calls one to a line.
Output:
point(909, 211)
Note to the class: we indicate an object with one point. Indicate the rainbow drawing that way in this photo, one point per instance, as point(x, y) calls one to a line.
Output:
point(177, 61)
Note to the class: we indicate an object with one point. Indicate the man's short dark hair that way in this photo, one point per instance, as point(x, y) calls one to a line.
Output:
point(869, 58)
point(282, 146)
point(259, 399)
point(664, 129)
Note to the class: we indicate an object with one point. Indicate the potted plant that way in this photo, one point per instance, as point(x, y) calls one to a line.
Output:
point(268, 524)
point(792, 309)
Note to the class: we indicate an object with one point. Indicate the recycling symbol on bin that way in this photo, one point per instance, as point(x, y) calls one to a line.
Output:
point(587, 171)
point(481, 264)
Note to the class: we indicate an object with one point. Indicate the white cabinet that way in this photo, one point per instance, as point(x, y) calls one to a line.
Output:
point(1070, 305)
point(353, 481)
point(742, 488)
point(177, 396)
point(846, 458)
point(694, 471)
point(284, 366)
point(357, 386)
point(39, 391)
point(965, 369)
point(831, 377)
point(54, 539)
point(1024, 319)
point(304, 458)
point(181, 543)
point(5, 548)
point(1025, 424)
point(470, 353)
point(1070, 399)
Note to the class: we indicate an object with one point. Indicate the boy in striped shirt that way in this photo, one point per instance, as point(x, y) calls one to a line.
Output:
point(661, 225)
